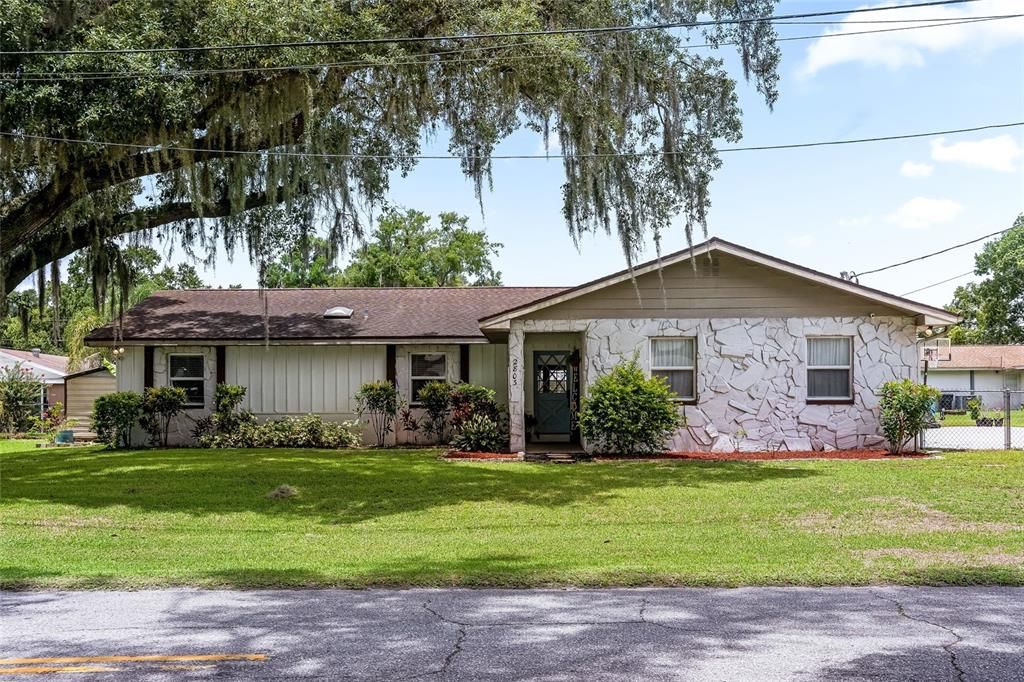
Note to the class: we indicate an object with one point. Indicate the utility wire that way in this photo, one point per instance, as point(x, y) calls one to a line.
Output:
point(945, 281)
point(428, 59)
point(477, 36)
point(935, 253)
point(431, 157)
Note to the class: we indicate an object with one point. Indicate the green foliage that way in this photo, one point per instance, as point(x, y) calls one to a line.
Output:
point(20, 392)
point(113, 417)
point(87, 297)
point(993, 309)
point(974, 408)
point(480, 433)
point(604, 96)
point(308, 263)
point(220, 428)
point(379, 400)
point(468, 400)
point(406, 251)
point(160, 405)
point(906, 408)
point(309, 431)
point(628, 413)
point(54, 419)
point(435, 398)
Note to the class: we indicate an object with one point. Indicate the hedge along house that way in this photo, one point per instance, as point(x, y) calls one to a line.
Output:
point(761, 353)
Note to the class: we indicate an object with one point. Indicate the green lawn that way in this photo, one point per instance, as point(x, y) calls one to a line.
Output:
point(90, 518)
point(1016, 418)
point(18, 444)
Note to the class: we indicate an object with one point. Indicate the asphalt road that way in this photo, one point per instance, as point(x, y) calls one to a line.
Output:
point(621, 634)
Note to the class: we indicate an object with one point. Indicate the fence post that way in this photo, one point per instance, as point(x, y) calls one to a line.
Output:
point(1007, 415)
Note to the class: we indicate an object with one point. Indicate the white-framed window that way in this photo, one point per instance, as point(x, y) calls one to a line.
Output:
point(425, 368)
point(675, 360)
point(829, 368)
point(185, 371)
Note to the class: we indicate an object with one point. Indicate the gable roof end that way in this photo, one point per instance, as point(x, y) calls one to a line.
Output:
point(930, 315)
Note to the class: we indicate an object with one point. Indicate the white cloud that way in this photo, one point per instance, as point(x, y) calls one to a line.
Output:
point(913, 169)
point(996, 153)
point(895, 49)
point(921, 213)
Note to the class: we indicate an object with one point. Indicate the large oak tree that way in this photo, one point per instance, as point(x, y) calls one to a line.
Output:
point(326, 128)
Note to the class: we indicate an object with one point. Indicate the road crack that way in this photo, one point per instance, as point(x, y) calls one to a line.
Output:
point(948, 647)
point(460, 638)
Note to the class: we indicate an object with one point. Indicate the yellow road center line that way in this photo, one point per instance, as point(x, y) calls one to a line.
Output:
point(135, 659)
point(40, 669)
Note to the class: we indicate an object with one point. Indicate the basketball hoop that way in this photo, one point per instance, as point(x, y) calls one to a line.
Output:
point(936, 350)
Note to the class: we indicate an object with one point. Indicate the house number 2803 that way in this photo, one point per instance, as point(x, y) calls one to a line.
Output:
point(515, 371)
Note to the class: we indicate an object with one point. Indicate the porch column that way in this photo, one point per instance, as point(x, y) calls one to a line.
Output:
point(516, 391)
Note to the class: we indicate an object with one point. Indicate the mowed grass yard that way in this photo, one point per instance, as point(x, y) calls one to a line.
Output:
point(1016, 418)
point(89, 518)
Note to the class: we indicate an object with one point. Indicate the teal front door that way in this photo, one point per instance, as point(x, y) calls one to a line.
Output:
point(551, 394)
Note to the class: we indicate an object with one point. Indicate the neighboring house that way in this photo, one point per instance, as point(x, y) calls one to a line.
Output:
point(82, 388)
point(50, 369)
point(984, 371)
point(762, 353)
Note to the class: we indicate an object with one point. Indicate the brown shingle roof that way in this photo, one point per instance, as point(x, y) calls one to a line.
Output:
point(57, 363)
point(294, 314)
point(983, 357)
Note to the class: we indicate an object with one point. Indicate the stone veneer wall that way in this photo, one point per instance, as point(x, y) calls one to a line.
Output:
point(751, 376)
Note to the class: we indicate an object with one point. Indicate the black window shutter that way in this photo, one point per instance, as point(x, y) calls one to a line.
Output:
point(222, 367)
point(389, 363)
point(147, 366)
point(464, 363)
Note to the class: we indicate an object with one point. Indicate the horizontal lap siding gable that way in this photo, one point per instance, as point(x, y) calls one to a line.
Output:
point(739, 289)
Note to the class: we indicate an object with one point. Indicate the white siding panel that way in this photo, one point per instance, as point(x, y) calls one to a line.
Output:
point(285, 380)
point(488, 366)
point(130, 370)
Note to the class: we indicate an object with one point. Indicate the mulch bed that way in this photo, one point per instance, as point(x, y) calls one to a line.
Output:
point(763, 456)
point(713, 456)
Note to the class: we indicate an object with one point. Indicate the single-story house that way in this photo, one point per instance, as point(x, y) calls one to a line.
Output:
point(761, 353)
point(50, 369)
point(983, 371)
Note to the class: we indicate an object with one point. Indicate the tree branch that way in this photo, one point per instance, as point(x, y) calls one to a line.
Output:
point(24, 222)
point(46, 250)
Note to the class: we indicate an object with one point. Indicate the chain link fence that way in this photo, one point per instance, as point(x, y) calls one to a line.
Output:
point(977, 420)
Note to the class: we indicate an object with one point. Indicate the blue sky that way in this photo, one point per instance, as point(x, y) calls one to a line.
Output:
point(853, 207)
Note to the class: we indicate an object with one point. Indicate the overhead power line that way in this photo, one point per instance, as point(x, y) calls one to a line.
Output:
point(477, 36)
point(429, 58)
point(438, 157)
point(945, 281)
point(934, 253)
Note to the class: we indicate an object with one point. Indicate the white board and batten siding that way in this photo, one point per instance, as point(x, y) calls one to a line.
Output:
point(297, 380)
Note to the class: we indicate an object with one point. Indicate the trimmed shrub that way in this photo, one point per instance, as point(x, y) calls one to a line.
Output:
point(161, 404)
point(113, 417)
point(469, 400)
point(480, 433)
point(435, 397)
point(20, 392)
point(974, 408)
point(309, 431)
point(627, 413)
point(219, 428)
point(906, 408)
point(379, 400)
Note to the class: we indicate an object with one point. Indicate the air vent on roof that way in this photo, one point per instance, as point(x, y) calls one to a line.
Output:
point(338, 313)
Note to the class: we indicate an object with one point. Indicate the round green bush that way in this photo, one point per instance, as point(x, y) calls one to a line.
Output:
point(627, 413)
